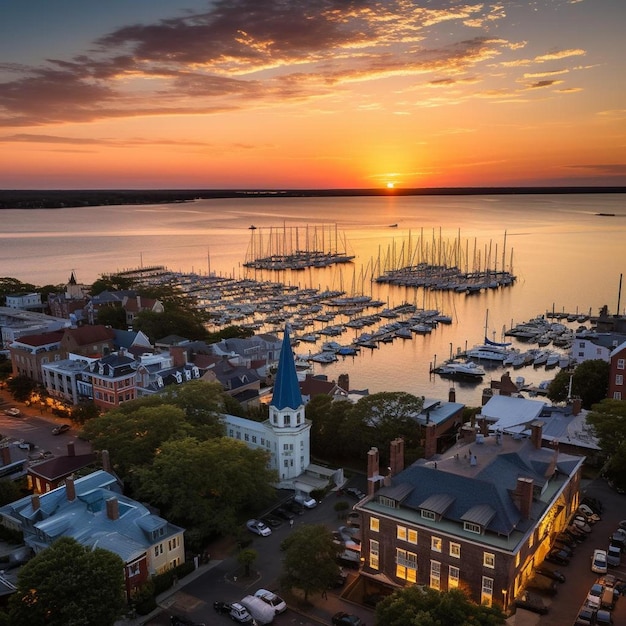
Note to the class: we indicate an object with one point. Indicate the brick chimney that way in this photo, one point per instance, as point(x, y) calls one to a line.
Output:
point(34, 502)
point(71, 450)
point(452, 395)
point(430, 440)
point(577, 405)
point(536, 432)
point(179, 355)
point(70, 489)
point(344, 381)
point(373, 470)
point(396, 460)
point(523, 496)
point(113, 508)
point(6, 455)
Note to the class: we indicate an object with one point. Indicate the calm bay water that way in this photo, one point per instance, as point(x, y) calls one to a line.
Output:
point(565, 257)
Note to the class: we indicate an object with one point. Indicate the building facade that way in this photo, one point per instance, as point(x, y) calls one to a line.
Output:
point(479, 517)
point(617, 373)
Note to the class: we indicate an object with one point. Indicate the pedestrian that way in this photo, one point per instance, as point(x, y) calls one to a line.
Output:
point(291, 523)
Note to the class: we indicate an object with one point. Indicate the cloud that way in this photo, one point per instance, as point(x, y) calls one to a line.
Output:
point(544, 83)
point(611, 169)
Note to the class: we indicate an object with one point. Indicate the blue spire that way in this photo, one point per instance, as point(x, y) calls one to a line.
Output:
point(286, 388)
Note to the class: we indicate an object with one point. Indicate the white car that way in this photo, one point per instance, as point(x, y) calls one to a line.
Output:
point(598, 562)
point(306, 501)
point(276, 602)
point(258, 527)
point(13, 412)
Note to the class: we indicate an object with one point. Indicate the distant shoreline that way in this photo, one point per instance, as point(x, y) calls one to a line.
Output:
point(58, 198)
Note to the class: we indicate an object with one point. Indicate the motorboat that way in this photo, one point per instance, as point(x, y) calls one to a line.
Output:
point(461, 369)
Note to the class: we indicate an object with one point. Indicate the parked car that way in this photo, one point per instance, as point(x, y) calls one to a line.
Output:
point(594, 595)
point(258, 527)
point(346, 619)
point(579, 522)
point(586, 616)
point(598, 562)
point(59, 430)
point(586, 510)
point(26, 445)
point(237, 612)
point(594, 504)
point(555, 574)
point(179, 620)
point(613, 556)
point(13, 412)
point(618, 539)
point(355, 493)
point(271, 521)
point(622, 524)
point(557, 556)
point(531, 602)
point(603, 618)
point(283, 513)
point(279, 605)
point(543, 584)
point(306, 501)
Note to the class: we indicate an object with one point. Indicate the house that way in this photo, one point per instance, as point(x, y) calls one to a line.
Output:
point(17, 323)
point(25, 301)
point(13, 460)
point(617, 363)
point(71, 303)
point(478, 517)
point(113, 380)
point(48, 475)
point(93, 511)
point(89, 341)
point(30, 352)
point(64, 379)
point(595, 346)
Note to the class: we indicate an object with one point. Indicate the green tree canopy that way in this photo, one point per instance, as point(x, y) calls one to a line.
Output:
point(21, 387)
point(114, 316)
point(422, 606)
point(310, 560)
point(69, 585)
point(207, 484)
point(589, 382)
point(608, 419)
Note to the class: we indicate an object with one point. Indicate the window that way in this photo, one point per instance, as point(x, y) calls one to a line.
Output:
point(617, 395)
point(435, 575)
point(621, 364)
point(401, 534)
point(246, 437)
point(133, 570)
point(406, 565)
point(427, 514)
point(435, 544)
point(472, 528)
point(486, 595)
point(374, 547)
point(158, 549)
point(455, 550)
point(619, 379)
point(374, 524)
point(453, 577)
point(489, 560)
point(253, 438)
point(388, 502)
point(412, 536)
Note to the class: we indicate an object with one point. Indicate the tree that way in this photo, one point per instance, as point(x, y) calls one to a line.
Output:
point(246, 558)
point(114, 316)
point(206, 484)
point(589, 382)
point(608, 419)
point(84, 412)
point(68, 584)
point(422, 606)
point(9, 491)
point(21, 387)
point(310, 560)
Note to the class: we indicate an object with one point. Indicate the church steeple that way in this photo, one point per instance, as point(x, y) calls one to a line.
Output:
point(286, 387)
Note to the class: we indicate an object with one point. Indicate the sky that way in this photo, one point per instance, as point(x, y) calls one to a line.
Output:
point(311, 94)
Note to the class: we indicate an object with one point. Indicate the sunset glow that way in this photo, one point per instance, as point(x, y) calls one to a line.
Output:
point(268, 94)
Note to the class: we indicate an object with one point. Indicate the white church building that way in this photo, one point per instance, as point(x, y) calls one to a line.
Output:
point(286, 434)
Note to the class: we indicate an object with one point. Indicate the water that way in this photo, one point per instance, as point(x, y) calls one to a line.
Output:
point(566, 258)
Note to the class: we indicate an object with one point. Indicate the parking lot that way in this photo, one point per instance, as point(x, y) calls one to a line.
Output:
point(563, 608)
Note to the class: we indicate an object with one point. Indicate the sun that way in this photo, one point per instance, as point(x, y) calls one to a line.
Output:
point(390, 185)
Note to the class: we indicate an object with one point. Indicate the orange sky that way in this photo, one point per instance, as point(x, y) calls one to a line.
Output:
point(312, 94)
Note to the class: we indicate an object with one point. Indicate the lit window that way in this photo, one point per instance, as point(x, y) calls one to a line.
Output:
point(435, 575)
point(401, 534)
point(453, 577)
point(374, 547)
point(486, 595)
point(455, 550)
point(374, 524)
point(412, 536)
point(406, 565)
point(435, 544)
point(489, 560)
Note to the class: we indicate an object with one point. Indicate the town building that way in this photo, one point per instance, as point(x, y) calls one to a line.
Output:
point(50, 474)
point(16, 323)
point(93, 511)
point(479, 517)
point(286, 434)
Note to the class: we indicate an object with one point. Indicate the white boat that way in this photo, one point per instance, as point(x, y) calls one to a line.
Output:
point(330, 346)
point(466, 369)
point(540, 359)
point(488, 353)
point(553, 360)
point(323, 357)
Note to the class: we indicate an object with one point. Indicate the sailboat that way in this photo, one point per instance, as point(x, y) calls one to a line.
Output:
point(490, 350)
